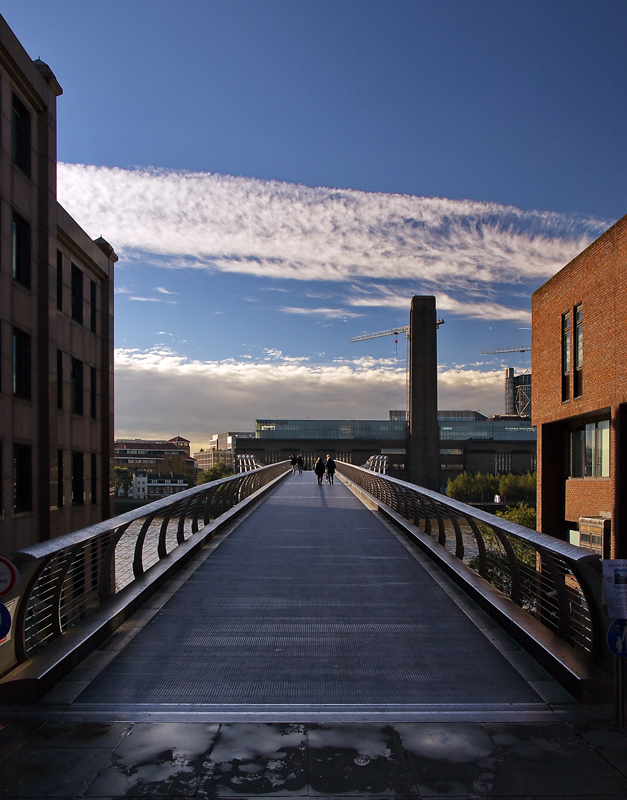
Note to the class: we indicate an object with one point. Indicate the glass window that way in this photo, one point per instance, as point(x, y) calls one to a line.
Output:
point(21, 250)
point(578, 376)
point(77, 386)
point(603, 449)
point(94, 477)
point(22, 478)
point(21, 364)
point(92, 392)
point(77, 294)
point(77, 479)
point(590, 450)
point(59, 379)
point(20, 149)
point(566, 333)
point(589, 454)
point(60, 478)
point(92, 306)
point(59, 280)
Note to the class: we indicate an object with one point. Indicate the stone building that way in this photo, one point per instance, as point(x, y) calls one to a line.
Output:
point(579, 353)
point(56, 326)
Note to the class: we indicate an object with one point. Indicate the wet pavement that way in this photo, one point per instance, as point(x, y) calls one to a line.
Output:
point(584, 759)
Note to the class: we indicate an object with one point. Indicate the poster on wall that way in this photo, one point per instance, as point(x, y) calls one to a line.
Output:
point(615, 587)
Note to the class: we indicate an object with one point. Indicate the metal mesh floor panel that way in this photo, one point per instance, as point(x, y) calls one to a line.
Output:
point(311, 600)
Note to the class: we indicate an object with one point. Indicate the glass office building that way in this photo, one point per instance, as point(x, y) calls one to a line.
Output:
point(371, 430)
point(459, 425)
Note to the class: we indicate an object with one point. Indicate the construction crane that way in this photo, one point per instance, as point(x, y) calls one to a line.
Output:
point(522, 349)
point(395, 332)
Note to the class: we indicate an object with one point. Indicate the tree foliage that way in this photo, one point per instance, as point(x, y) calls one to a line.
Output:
point(122, 478)
point(522, 514)
point(481, 488)
point(214, 473)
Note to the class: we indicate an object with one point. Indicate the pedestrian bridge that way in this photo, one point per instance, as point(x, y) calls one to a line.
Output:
point(266, 596)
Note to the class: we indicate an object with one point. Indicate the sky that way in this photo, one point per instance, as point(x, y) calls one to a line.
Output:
point(277, 176)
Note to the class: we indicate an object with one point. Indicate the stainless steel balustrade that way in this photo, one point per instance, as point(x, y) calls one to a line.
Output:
point(555, 582)
point(66, 579)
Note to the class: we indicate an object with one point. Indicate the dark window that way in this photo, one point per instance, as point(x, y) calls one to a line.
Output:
point(60, 478)
point(92, 306)
point(59, 280)
point(59, 379)
point(590, 450)
point(77, 294)
point(77, 479)
point(92, 394)
point(21, 364)
point(22, 478)
point(21, 250)
point(1, 486)
point(578, 372)
point(566, 335)
point(21, 136)
point(77, 386)
point(94, 478)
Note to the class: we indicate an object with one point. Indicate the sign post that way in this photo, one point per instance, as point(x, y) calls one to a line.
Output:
point(9, 577)
point(617, 641)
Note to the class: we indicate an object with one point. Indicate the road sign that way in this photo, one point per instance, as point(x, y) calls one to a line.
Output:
point(5, 621)
point(617, 637)
point(9, 577)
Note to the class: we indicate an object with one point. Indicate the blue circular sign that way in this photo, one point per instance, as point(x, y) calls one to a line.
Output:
point(617, 637)
point(5, 621)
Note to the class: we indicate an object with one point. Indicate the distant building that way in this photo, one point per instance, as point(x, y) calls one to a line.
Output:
point(56, 327)
point(579, 351)
point(517, 393)
point(157, 457)
point(154, 487)
point(206, 459)
point(472, 442)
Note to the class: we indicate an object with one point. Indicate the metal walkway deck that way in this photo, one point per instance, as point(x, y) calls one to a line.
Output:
point(311, 601)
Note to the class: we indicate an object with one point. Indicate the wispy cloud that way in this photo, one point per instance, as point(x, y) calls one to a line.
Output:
point(281, 230)
point(162, 290)
point(197, 398)
point(328, 313)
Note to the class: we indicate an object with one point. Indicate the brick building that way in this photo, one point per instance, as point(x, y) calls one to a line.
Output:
point(156, 457)
point(56, 326)
point(579, 356)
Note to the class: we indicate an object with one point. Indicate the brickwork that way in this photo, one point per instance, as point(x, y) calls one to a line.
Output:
point(596, 281)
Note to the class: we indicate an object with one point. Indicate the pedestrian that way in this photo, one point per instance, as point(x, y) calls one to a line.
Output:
point(301, 463)
point(330, 468)
point(293, 462)
point(319, 470)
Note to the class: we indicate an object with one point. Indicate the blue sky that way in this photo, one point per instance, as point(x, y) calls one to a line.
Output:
point(278, 176)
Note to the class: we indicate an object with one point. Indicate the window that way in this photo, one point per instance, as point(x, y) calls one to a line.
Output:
point(92, 394)
point(77, 479)
point(21, 250)
point(1, 486)
point(59, 379)
point(92, 306)
point(578, 373)
point(59, 280)
point(590, 450)
point(60, 478)
point(21, 136)
point(21, 364)
point(77, 386)
point(566, 333)
point(94, 478)
point(77, 294)
point(22, 478)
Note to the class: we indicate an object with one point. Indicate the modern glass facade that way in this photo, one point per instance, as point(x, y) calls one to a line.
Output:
point(458, 425)
point(331, 429)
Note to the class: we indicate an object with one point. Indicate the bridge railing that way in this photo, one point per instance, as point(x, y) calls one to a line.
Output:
point(553, 581)
point(68, 578)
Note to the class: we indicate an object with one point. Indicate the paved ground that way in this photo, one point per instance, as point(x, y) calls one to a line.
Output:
point(310, 652)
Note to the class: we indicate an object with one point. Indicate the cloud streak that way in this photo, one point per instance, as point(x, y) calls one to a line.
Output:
point(288, 231)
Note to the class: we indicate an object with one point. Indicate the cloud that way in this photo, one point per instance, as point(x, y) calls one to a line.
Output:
point(163, 291)
point(282, 230)
point(328, 313)
point(197, 398)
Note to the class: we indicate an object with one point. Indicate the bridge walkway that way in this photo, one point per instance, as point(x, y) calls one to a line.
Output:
point(311, 653)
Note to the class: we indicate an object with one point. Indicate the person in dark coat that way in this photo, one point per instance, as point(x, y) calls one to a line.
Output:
point(301, 463)
point(330, 467)
point(319, 470)
point(293, 462)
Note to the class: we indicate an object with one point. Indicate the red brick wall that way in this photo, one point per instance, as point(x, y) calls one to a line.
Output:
point(596, 278)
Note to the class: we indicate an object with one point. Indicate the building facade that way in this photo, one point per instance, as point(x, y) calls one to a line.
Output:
point(56, 326)
point(156, 457)
point(579, 352)
point(206, 459)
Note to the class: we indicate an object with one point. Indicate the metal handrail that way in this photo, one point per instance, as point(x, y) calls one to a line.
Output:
point(557, 583)
point(66, 579)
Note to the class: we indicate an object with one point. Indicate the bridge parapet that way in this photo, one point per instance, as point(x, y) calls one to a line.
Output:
point(68, 579)
point(521, 577)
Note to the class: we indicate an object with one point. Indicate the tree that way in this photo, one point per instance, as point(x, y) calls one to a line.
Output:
point(522, 514)
point(220, 470)
point(122, 478)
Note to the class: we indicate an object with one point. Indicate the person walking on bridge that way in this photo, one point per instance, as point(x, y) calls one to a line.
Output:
point(319, 470)
point(293, 461)
point(330, 467)
point(301, 463)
